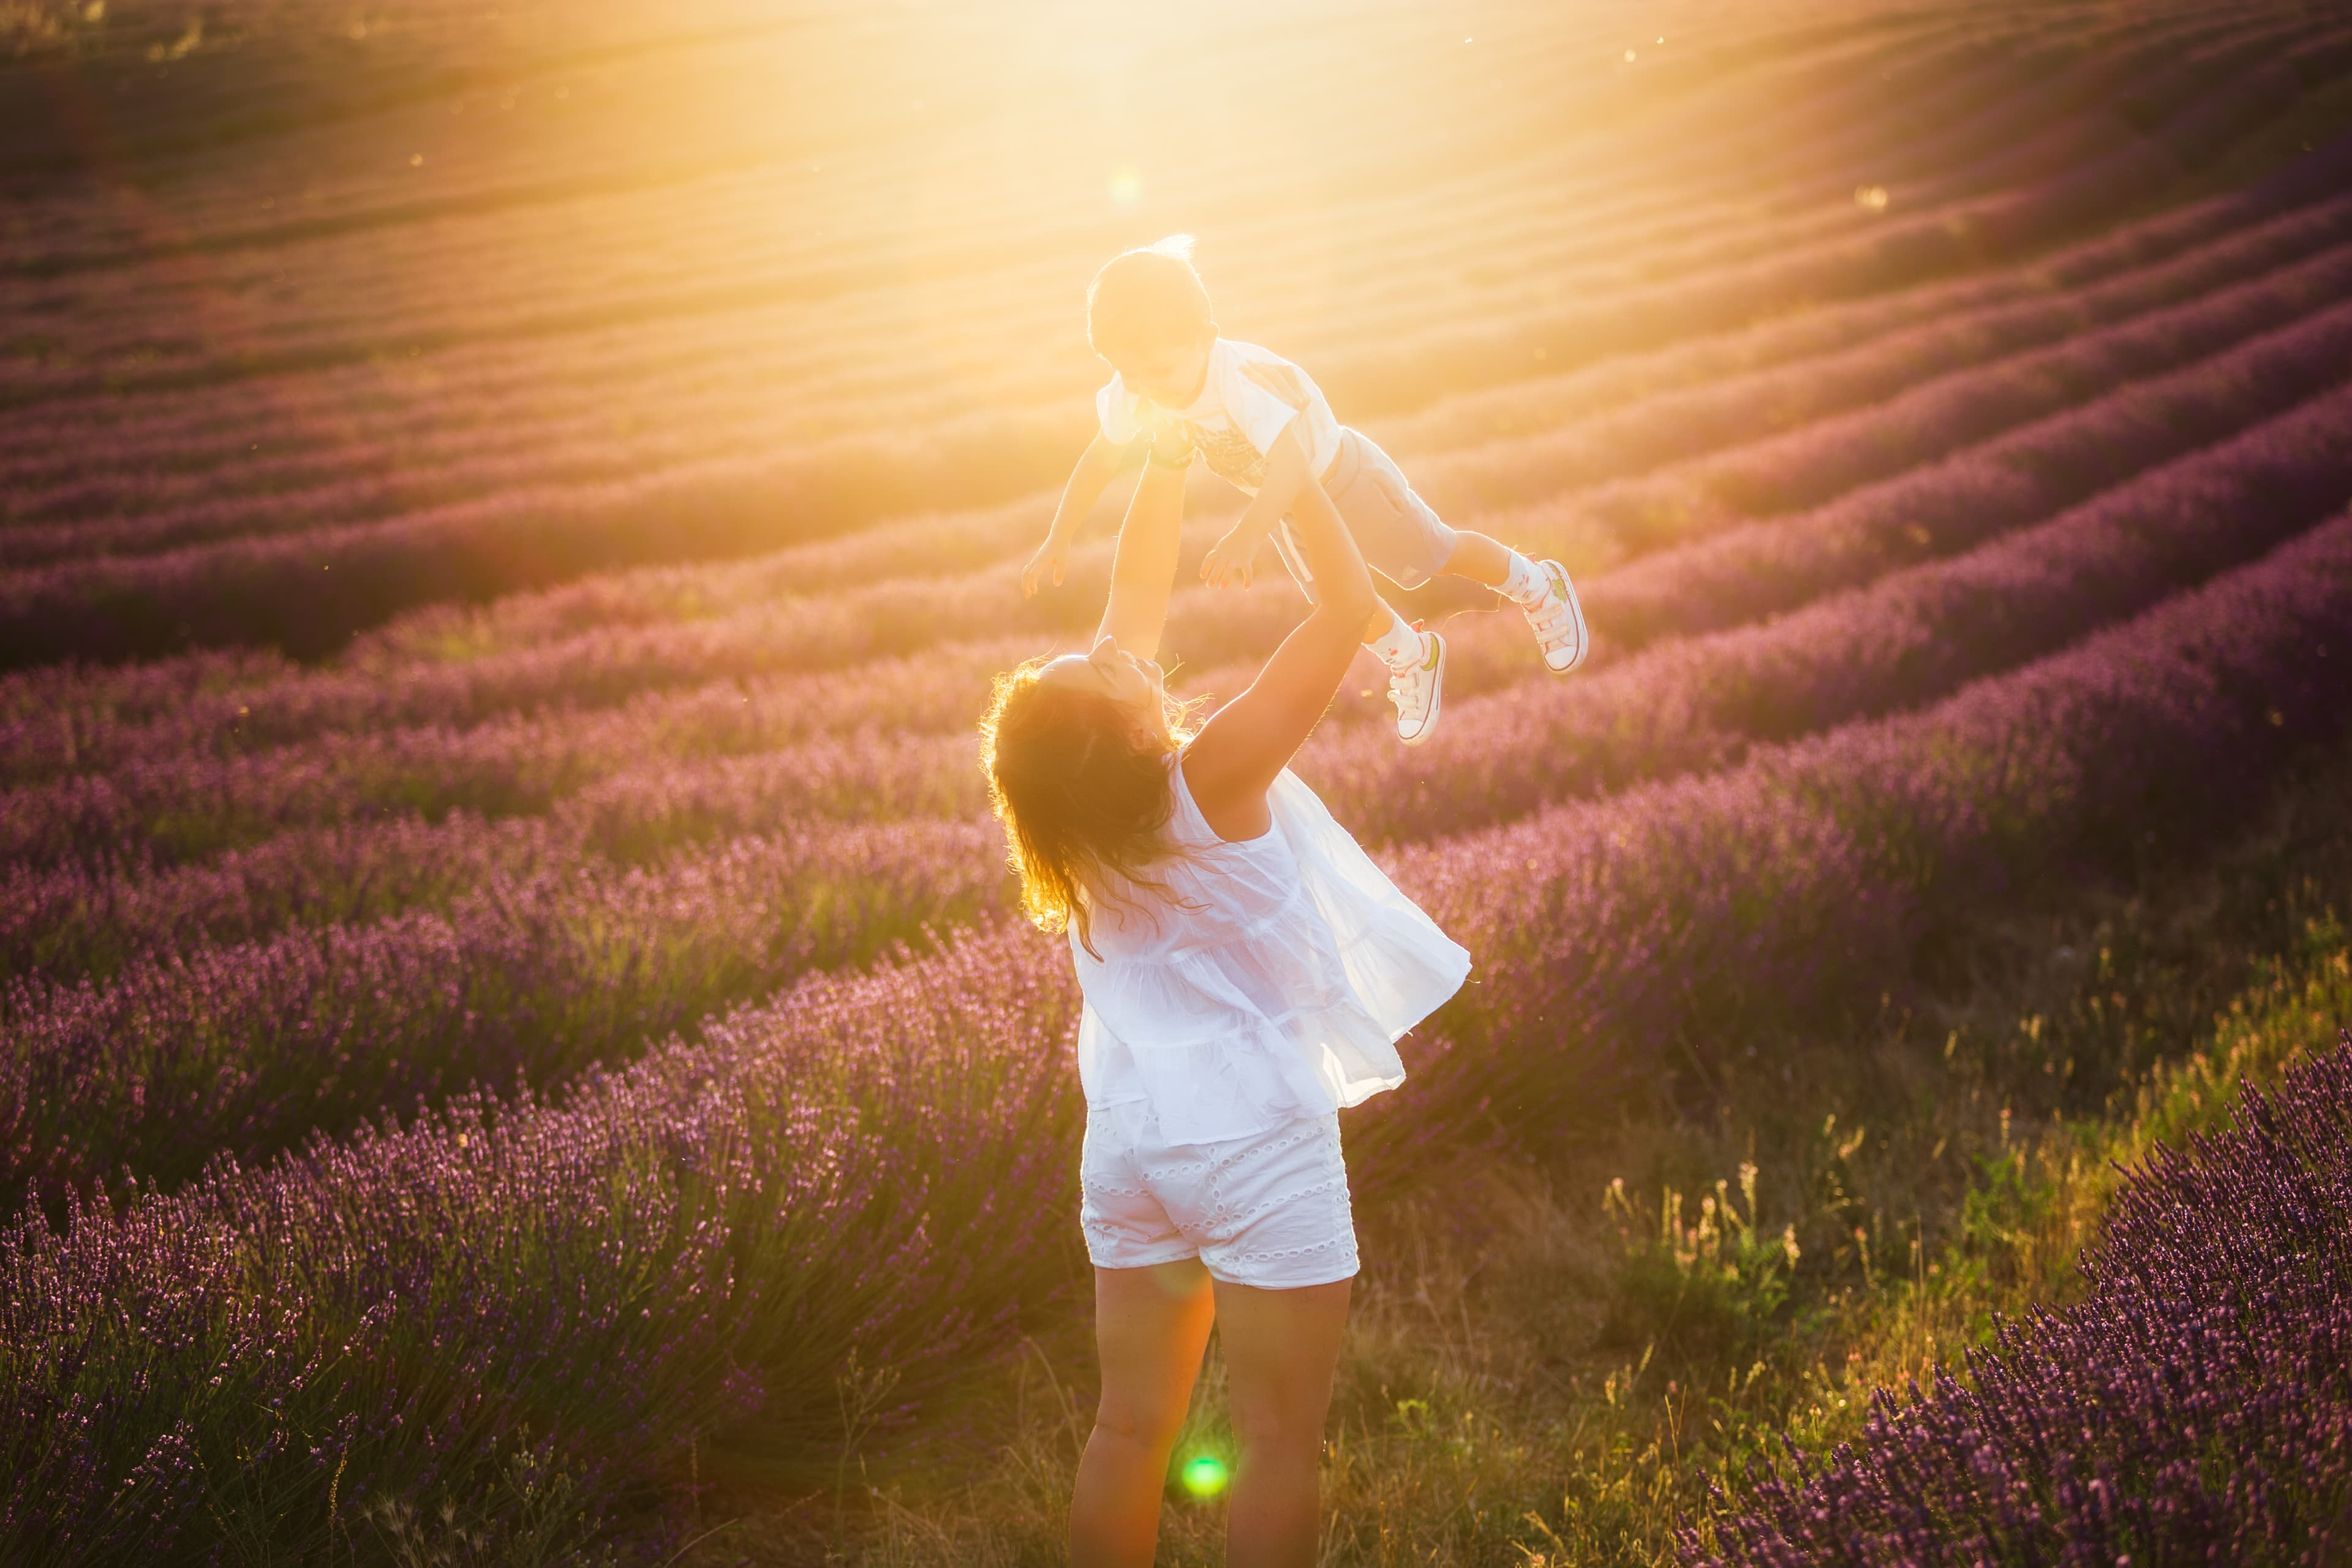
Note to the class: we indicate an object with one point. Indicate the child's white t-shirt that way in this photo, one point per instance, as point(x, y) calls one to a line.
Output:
point(1248, 397)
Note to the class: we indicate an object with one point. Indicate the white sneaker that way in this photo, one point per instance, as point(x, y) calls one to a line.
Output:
point(1418, 691)
point(1558, 620)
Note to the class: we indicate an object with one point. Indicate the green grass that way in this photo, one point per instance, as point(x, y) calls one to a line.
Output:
point(1553, 1361)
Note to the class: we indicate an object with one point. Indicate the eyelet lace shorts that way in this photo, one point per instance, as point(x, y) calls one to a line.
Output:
point(1269, 1211)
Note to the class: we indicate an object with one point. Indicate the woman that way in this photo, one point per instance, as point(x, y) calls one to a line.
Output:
point(1246, 971)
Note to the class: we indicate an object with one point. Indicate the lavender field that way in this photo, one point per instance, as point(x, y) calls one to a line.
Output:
point(516, 1042)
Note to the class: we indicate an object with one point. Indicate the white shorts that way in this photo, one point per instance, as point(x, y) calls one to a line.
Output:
point(1269, 1211)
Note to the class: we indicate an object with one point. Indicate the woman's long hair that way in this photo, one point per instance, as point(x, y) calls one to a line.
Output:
point(1082, 788)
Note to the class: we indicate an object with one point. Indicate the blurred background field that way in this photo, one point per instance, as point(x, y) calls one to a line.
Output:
point(513, 1046)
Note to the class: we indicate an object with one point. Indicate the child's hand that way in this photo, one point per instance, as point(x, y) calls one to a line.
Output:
point(1232, 561)
point(1052, 556)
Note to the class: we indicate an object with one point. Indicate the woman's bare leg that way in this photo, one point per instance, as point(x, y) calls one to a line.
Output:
point(1150, 1326)
point(1281, 1348)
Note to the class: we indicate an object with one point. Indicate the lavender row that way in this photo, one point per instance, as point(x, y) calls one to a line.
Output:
point(703, 423)
point(695, 1244)
point(2197, 1407)
point(2069, 198)
point(1810, 466)
point(1610, 931)
point(1913, 636)
point(249, 709)
point(310, 594)
point(1700, 490)
point(1682, 707)
point(530, 975)
point(73, 718)
point(289, 72)
point(513, 1291)
point(417, 261)
point(71, 920)
point(149, 470)
point(524, 766)
point(1862, 414)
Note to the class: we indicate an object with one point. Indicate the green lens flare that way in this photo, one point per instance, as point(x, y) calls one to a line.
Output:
point(1203, 1474)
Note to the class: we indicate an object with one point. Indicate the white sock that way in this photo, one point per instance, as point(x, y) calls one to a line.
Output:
point(1399, 647)
point(1526, 584)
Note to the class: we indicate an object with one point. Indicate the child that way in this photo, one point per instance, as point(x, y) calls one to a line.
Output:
point(1265, 428)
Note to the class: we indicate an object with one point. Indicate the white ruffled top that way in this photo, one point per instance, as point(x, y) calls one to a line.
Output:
point(1270, 981)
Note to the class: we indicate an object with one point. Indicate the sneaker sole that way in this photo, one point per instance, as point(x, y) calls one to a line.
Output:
point(1437, 700)
point(1576, 609)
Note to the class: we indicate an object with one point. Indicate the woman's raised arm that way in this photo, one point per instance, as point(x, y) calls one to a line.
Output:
point(1236, 757)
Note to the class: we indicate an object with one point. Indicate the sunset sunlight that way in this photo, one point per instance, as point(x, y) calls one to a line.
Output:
point(906, 784)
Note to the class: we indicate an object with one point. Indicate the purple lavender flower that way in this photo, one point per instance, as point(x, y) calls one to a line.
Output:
point(2197, 1407)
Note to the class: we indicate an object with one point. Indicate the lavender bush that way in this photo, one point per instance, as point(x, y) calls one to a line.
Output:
point(244, 1049)
point(693, 1246)
point(1861, 414)
point(2196, 1408)
point(1798, 879)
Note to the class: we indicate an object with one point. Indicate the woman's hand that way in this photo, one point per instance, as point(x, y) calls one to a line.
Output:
point(1231, 561)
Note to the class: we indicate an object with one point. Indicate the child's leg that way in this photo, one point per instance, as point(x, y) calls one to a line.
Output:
point(1498, 566)
point(1480, 559)
point(1409, 544)
point(1403, 545)
point(1541, 589)
point(1416, 667)
point(1386, 633)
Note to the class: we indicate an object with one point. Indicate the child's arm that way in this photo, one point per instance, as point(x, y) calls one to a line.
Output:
point(1096, 466)
point(1231, 559)
point(1143, 570)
